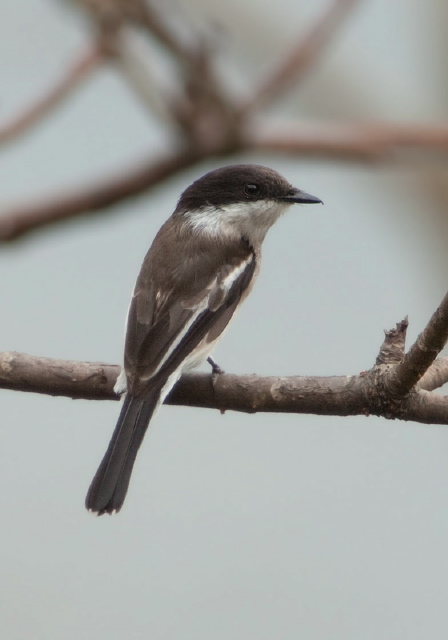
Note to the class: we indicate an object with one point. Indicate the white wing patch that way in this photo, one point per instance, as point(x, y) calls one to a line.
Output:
point(202, 306)
point(222, 286)
point(214, 298)
point(235, 273)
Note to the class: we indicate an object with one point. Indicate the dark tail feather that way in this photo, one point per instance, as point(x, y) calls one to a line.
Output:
point(110, 484)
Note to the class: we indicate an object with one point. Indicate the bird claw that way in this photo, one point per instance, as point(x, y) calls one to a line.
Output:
point(216, 369)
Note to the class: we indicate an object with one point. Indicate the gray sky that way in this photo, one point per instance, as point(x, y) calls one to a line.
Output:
point(235, 526)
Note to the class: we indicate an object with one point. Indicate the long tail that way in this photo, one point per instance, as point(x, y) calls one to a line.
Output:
point(110, 484)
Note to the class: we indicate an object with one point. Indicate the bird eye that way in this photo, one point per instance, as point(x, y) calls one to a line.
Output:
point(251, 189)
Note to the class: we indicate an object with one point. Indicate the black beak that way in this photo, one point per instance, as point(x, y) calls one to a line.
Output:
point(301, 197)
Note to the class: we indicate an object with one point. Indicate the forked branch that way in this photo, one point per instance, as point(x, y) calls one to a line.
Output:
point(207, 120)
point(389, 389)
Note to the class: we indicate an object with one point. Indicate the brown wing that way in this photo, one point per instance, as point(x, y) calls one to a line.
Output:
point(165, 327)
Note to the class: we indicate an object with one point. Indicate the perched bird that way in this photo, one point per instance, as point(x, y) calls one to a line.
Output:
point(201, 266)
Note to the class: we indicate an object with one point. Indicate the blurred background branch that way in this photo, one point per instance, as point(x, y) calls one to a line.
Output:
point(197, 108)
point(301, 58)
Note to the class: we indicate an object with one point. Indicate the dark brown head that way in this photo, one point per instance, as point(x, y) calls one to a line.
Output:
point(238, 201)
point(240, 183)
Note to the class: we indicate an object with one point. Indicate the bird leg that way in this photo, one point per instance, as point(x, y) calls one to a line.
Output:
point(216, 369)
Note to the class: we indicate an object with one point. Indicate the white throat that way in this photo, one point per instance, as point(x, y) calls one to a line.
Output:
point(249, 219)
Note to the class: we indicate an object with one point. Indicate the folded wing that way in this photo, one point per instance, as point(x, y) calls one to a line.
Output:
point(165, 328)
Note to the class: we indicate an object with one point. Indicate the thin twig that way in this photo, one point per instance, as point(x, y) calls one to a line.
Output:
point(72, 78)
point(28, 217)
point(402, 378)
point(301, 58)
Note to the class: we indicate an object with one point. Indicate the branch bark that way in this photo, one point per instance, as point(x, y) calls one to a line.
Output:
point(389, 389)
point(72, 379)
point(402, 378)
point(436, 376)
point(332, 395)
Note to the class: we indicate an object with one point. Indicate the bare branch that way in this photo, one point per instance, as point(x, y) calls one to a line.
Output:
point(28, 217)
point(332, 395)
point(351, 141)
point(301, 58)
point(72, 78)
point(402, 378)
point(207, 120)
point(91, 381)
point(148, 18)
point(436, 376)
point(335, 395)
point(426, 408)
point(393, 348)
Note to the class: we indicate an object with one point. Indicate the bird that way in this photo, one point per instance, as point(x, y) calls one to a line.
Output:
point(200, 267)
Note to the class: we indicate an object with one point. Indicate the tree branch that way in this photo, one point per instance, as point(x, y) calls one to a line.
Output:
point(69, 378)
point(28, 217)
point(333, 395)
point(72, 78)
point(402, 378)
point(350, 141)
point(346, 142)
point(208, 122)
point(389, 389)
point(436, 376)
point(148, 18)
point(301, 58)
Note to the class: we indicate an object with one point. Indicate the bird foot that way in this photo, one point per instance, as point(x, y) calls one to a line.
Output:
point(216, 369)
